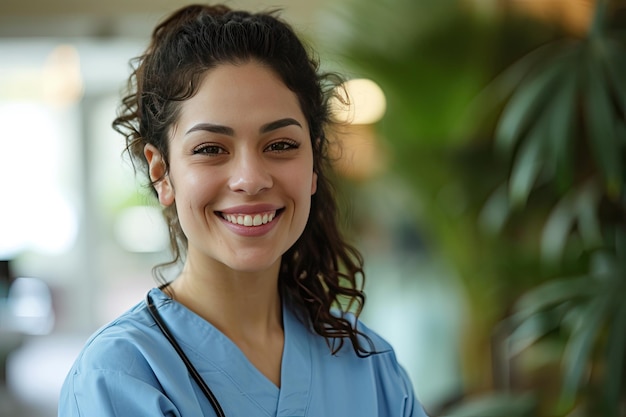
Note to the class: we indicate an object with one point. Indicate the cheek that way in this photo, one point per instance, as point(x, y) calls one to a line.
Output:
point(303, 185)
point(195, 189)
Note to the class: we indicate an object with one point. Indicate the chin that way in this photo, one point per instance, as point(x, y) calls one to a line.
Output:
point(253, 264)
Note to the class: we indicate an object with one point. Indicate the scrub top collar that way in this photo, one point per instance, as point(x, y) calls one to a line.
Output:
point(210, 350)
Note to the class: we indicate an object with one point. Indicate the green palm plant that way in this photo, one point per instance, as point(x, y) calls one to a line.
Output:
point(591, 310)
point(556, 120)
point(558, 89)
point(564, 125)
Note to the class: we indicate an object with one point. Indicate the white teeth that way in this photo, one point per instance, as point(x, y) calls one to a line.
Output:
point(249, 220)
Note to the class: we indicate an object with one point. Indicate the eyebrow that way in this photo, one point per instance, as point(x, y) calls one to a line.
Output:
point(229, 131)
point(210, 127)
point(288, 121)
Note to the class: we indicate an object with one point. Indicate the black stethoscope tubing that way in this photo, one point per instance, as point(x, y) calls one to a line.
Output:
point(154, 312)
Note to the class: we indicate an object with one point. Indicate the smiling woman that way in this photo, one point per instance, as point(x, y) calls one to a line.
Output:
point(226, 115)
point(260, 164)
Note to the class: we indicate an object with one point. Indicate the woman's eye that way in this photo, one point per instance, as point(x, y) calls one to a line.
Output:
point(209, 150)
point(281, 146)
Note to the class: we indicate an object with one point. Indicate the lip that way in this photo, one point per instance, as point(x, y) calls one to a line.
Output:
point(250, 209)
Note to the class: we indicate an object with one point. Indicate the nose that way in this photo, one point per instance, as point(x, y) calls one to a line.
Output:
point(249, 174)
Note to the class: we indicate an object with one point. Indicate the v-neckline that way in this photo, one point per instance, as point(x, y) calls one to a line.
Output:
point(215, 351)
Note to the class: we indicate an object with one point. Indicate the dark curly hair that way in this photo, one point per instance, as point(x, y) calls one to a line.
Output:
point(321, 271)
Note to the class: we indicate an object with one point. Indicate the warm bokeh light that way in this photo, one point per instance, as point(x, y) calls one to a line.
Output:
point(572, 15)
point(57, 82)
point(61, 77)
point(357, 152)
point(362, 102)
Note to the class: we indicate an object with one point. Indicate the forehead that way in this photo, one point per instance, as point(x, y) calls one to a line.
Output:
point(234, 94)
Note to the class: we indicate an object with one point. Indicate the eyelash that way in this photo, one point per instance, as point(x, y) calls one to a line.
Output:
point(203, 149)
point(285, 144)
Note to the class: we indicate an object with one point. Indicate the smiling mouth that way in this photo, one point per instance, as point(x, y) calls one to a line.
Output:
point(250, 220)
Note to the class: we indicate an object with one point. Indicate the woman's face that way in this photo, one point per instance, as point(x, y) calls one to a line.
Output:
point(240, 169)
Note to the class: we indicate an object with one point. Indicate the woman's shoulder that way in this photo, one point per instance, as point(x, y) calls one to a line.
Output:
point(116, 371)
point(374, 378)
point(120, 343)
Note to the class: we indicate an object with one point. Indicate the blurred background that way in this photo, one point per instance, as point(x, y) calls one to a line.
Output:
point(482, 173)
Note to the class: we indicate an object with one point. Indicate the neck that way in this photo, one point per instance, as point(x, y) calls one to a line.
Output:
point(244, 306)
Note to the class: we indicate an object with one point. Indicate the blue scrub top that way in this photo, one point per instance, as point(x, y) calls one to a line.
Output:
point(128, 368)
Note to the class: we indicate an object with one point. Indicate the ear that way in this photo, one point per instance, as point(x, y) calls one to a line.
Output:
point(158, 175)
point(314, 183)
point(316, 145)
